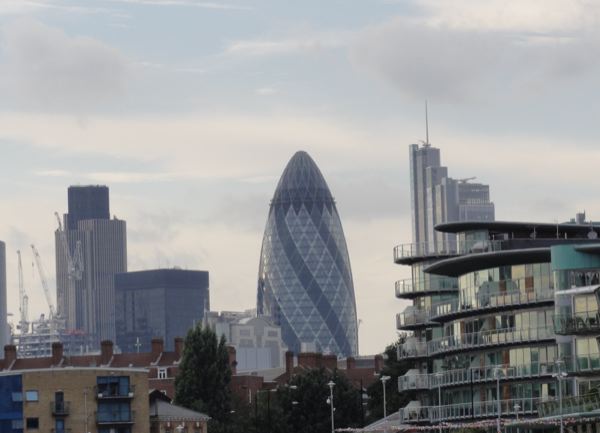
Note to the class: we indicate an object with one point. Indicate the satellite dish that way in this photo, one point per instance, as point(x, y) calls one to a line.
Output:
point(592, 235)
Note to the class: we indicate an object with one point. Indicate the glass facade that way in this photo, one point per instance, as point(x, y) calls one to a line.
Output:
point(305, 280)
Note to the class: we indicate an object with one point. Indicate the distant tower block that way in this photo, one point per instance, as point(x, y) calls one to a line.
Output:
point(304, 280)
point(3, 312)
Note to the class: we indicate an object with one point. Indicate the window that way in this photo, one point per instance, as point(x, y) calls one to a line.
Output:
point(31, 395)
point(32, 423)
point(17, 396)
point(162, 373)
point(112, 386)
point(17, 424)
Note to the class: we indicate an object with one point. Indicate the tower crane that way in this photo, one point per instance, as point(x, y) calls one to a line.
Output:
point(466, 179)
point(75, 261)
point(23, 300)
point(42, 273)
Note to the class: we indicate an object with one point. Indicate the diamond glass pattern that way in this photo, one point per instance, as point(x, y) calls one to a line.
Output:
point(305, 281)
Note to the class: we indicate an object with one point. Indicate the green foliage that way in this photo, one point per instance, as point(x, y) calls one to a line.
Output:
point(392, 368)
point(204, 375)
point(301, 406)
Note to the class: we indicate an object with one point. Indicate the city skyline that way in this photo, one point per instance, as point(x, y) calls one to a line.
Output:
point(205, 103)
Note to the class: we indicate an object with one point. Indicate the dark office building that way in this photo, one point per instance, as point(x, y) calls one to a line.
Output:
point(87, 203)
point(85, 274)
point(163, 303)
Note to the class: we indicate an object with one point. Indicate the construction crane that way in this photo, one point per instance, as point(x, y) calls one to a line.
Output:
point(75, 261)
point(38, 262)
point(466, 179)
point(23, 300)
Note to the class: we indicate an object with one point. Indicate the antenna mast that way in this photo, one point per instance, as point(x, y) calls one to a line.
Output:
point(426, 125)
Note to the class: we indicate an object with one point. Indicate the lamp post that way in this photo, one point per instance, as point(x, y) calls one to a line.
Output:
point(560, 375)
point(498, 372)
point(383, 380)
point(440, 376)
point(517, 408)
point(331, 384)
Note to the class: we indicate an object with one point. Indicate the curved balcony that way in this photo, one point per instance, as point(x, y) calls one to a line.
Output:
point(409, 289)
point(488, 338)
point(407, 254)
point(465, 376)
point(582, 323)
point(414, 413)
point(412, 349)
point(413, 380)
point(413, 318)
point(570, 405)
point(490, 301)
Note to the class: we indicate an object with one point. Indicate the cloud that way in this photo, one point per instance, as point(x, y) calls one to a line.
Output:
point(301, 41)
point(188, 3)
point(437, 57)
point(43, 68)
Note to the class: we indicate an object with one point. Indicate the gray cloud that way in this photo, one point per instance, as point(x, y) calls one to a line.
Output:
point(449, 63)
point(42, 67)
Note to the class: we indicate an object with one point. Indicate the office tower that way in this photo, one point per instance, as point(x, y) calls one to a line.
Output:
point(495, 323)
point(3, 312)
point(86, 299)
point(158, 303)
point(305, 281)
point(437, 198)
point(87, 203)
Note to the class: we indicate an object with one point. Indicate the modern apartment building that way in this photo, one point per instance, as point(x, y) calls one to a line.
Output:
point(86, 300)
point(163, 303)
point(305, 279)
point(62, 400)
point(485, 341)
point(437, 198)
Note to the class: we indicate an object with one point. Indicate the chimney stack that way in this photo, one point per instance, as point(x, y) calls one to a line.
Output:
point(179, 347)
point(57, 352)
point(157, 346)
point(378, 363)
point(106, 352)
point(10, 354)
point(350, 363)
point(289, 363)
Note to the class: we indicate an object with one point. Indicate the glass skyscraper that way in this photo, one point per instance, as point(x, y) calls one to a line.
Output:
point(305, 281)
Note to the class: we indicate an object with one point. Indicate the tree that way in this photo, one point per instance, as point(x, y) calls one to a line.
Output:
point(204, 375)
point(301, 405)
point(393, 368)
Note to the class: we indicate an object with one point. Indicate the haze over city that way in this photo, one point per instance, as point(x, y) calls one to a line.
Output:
point(189, 112)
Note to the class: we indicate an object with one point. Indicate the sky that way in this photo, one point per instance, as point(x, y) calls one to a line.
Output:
point(189, 111)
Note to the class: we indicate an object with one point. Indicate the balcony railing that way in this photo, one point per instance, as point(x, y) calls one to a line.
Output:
point(492, 337)
point(570, 405)
point(464, 376)
point(469, 410)
point(411, 382)
point(412, 348)
point(115, 392)
point(116, 417)
point(413, 318)
point(492, 300)
point(587, 322)
point(60, 408)
point(424, 249)
point(585, 363)
point(409, 289)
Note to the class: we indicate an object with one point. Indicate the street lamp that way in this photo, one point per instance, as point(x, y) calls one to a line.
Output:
point(560, 375)
point(517, 408)
point(498, 373)
point(440, 377)
point(331, 384)
point(383, 380)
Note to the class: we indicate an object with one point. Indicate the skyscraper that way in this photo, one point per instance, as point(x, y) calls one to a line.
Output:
point(3, 313)
point(163, 303)
point(87, 301)
point(437, 198)
point(305, 281)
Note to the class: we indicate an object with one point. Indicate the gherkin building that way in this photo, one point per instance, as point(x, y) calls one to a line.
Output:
point(305, 281)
